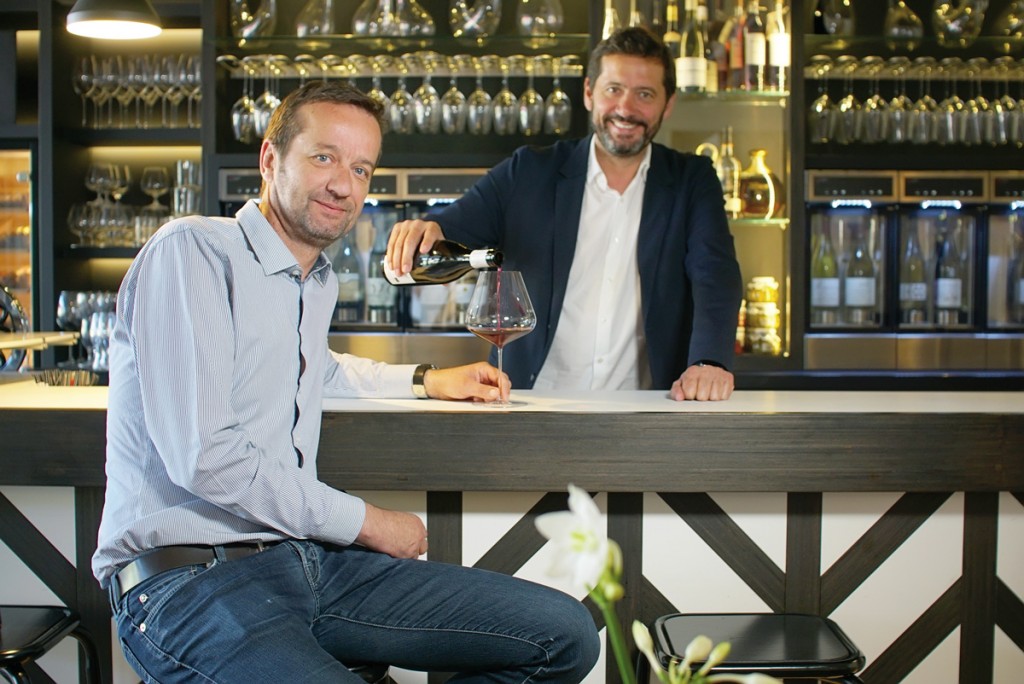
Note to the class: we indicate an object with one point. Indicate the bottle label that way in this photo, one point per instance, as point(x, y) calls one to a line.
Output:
point(825, 292)
point(478, 258)
point(348, 287)
point(754, 49)
point(379, 292)
point(396, 279)
point(913, 292)
point(778, 49)
point(860, 291)
point(692, 73)
point(735, 52)
point(948, 293)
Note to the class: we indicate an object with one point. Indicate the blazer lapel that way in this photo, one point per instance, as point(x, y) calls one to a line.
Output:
point(569, 188)
point(654, 221)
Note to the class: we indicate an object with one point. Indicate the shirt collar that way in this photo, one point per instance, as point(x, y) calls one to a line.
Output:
point(268, 248)
point(596, 175)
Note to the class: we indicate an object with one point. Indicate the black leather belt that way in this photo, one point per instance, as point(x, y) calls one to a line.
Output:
point(167, 558)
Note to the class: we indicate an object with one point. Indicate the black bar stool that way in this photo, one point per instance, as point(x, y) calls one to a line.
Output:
point(28, 632)
point(372, 673)
point(783, 645)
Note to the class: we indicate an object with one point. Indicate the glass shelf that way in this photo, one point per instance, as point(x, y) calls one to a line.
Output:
point(983, 46)
point(780, 223)
point(346, 44)
point(745, 97)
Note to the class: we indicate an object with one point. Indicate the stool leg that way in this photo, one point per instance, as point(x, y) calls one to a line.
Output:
point(92, 659)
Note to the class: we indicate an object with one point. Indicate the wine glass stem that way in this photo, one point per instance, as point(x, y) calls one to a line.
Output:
point(500, 402)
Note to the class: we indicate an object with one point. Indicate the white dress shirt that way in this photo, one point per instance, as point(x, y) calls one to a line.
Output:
point(599, 342)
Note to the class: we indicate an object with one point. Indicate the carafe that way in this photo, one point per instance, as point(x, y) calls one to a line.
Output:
point(316, 18)
point(760, 189)
point(957, 23)
point(474, 20)
point(247, 23)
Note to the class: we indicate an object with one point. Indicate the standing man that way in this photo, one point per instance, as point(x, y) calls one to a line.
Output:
point(225, 558)
point(623, 243)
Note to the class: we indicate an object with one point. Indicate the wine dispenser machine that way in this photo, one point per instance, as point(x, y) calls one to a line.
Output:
point(915, 270)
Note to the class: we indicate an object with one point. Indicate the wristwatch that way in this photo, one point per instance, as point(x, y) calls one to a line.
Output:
point(418, 390)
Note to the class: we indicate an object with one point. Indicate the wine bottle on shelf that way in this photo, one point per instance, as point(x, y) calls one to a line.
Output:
point(710, 72)
point(913, 283)
point(949, 278)
point(658, 17)
point(824, 282)
point(380, 295)
point(755, 48)
point(860, 286)
point(732, 38)
point(691, 66)
point(729, 173)
point(672, 38)
point(778, 38)
point(718, 54)
point(351, 282)
point(446, 261)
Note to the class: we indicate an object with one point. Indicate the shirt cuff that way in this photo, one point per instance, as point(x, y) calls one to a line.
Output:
point(345, 521)
point(396, 380)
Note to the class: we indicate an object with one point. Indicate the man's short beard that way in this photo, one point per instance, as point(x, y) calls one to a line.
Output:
point(613, 148)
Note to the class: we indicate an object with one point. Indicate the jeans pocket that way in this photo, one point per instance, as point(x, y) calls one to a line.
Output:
point(143, 603)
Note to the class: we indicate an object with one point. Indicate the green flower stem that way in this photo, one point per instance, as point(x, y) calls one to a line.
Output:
point(615, 636)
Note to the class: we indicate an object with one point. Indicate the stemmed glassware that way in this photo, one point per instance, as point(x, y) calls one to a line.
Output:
point(426, 103)
point(848, 117)
point(531, 104)
point(505, 104)
point(480, 115)
point(402, 113)
point(539, 20)
point(875, 109)
point(155, 182)
point(900, 105)
point(821, 113)
point(500, 311)
point(83, 82)
point(377, 64)
point(454, 110)
point(921, 122)
point(557, 105)
point(950, 121)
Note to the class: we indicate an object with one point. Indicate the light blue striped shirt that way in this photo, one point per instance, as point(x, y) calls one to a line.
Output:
point(218, 366)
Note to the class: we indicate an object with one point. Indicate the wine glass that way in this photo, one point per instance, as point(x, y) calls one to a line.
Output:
point(426, 103)
point(821, 117)
point(875, 109)
point(921, 120)
point(453, 103)
point(155, 182)
point(505, 105)
point(478, 105)
point(900, 105)
point(402, 112)
point(557, 105)
point(500, 311)
point(531, 104)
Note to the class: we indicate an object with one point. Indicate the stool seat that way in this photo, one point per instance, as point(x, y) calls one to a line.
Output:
point(783, 645)
point(372, 673)
point(29, 632)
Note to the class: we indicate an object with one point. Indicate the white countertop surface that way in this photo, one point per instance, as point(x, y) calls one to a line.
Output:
point(29, 395)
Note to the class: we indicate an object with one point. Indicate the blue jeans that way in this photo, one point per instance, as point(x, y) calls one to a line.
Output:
point(297, 611)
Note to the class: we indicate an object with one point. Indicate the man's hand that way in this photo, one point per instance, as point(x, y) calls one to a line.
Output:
point(703, 383)
point(398, 534)
point(478, 381)
point(409, 238)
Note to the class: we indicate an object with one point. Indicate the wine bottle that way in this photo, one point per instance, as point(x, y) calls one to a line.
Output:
point(729, 173)
point(672, 37)
point(691, 66)
point(446, 261)
point(732, 38)
point(949, 279)
point(351, 282)
point(380, 295)
point(710, 71)
point(860, 285)
point(755, 49)
point(913, 283)
point(718, 54)
point(778, 37)
point(824, 282)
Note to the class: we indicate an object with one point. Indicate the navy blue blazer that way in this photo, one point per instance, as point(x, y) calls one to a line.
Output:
point(529, 207)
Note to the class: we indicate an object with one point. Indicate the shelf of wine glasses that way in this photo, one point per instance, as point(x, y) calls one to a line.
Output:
point(132, 136)
point(745, 97)
point(348, 44)
point(983, 46)
point(97, 252)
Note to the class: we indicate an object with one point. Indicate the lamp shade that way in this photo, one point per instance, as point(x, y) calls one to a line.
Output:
point(113, 19)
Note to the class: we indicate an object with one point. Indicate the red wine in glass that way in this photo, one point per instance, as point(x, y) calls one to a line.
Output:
point(500, 311)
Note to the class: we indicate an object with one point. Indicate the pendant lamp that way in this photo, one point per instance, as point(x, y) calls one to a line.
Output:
point(113, 19)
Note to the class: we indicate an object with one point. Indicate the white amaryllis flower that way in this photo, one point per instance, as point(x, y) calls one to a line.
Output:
point(581, 548)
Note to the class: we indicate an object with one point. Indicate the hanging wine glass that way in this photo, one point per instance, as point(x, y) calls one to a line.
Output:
point(480, 116)
point(557, 106)
point(243, 111)
point(426, 103)
point(378, 64)
point(921, 120)
point(902, 27)
point(848, 109)
point(401, 114)
point(821, 114)
point(1012, 119)
point(949, 129)
point(875, 108)
point(531, 104)
point(900, 105)
point(505, 104)
point(454, 110)
point(977, 111)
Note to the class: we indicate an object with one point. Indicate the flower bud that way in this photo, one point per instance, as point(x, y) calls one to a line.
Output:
point(698, 649)
point(717, 655)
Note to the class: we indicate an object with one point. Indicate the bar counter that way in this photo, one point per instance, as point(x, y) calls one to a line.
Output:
point(924, 445)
